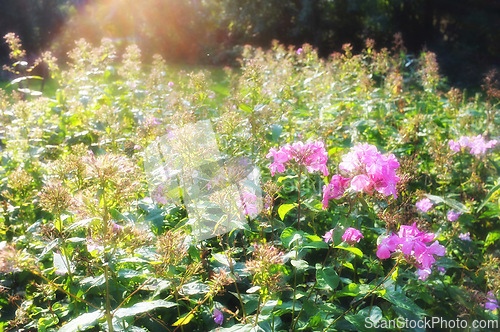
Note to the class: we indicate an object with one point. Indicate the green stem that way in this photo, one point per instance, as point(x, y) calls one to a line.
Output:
point(258, 311)
point(109, 315)
point(294, 283)
point(231, 267)
point(298, 207)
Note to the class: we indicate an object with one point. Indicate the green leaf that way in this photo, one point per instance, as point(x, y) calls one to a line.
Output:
point(450, 202)
point(316, 245)
point(282, 178)
point(354, 250)
point(82, 322)
point(276, 132)
point(284, 209)
point(366, 317)
point(327, 278)
point(290, 235)
point(184, 319)
point(299, 264)
point(491, 193)
point(142, 307)
point(403, 303)
point(491, 238)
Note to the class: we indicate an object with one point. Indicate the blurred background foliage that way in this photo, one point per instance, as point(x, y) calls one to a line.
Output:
point(465, 34)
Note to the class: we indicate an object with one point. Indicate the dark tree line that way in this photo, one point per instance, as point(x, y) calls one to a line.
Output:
point(464, 33)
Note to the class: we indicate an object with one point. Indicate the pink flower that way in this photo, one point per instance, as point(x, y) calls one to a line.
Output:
point(453, 215)
point(491, 302)
point(361, 183)
point(328, 236)
point(423, 274)
point(248, 203)
point(170, 84)
point(454, 146)
point(299, 51)
point(387, 245)
point(116, 228)
point(311, 155)
point(465, 236)
point(477, 144)
point(368, 171)
point(218, 317)
point(424, 205)
point(412, 244)
point(335, 190)
point(352, 235)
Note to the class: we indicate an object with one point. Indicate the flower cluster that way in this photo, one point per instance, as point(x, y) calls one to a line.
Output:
point(491, 302)
point(311, 155)
point(248, 203)
point(413, 245)
point(464, 236)
point(351, 236)
point(424, 204)
point(453, 215)
point(477, 144)
point(367, 170)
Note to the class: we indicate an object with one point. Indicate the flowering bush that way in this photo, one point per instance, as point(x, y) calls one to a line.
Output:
point(367, 170)
point(90, 240)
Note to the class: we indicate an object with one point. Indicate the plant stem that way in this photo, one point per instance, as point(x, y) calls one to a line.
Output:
point(231, 267)
point(294, 283)
point(298, 207)
point(258, 311)
point(109, 315)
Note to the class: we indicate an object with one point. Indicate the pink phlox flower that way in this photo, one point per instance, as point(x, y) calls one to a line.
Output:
point(424, 205)
point(453, 215)
point(374, 170)
point(454, 145)
point(116, 228)
point(248, 203)
point(491, 302)
point(280, 157)
point(335, 190)
point(477, 144)
point(387, 246)
point(423, 274)
point(352, 235)
point(362, 183)
point(425, 257)
point(465, 236)
point(412, 244)
point(311, 155)
point(328, 236)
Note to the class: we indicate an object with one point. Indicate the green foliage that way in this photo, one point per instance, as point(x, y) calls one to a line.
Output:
point(86, 242)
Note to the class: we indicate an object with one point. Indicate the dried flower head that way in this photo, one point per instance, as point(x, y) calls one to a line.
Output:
point(113, 174)
point(172, 247)
point(264, 266)
point(55, 197)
